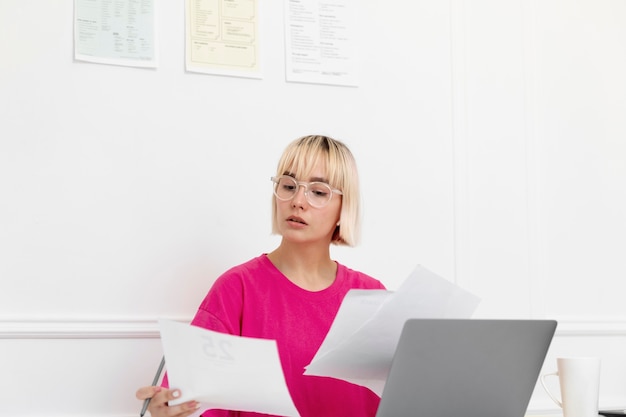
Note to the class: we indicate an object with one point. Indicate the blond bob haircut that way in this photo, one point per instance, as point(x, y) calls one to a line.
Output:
point(300, 158)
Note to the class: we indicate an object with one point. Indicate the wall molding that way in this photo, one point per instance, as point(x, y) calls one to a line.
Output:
point(459, 144)
point(81, 328)
point(149, 328)
point(591, 327)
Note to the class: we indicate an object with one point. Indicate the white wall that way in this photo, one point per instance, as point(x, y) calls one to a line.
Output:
point(490, 140)
point(540, 190)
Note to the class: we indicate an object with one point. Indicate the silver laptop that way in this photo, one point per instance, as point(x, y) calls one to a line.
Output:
point(465, 368)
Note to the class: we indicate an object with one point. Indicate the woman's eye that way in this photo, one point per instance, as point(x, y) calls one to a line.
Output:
point(320, 193)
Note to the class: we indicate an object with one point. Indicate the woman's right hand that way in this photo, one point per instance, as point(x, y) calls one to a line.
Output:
point(158, 404)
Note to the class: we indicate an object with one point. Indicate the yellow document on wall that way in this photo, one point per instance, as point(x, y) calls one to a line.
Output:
point(222, 37)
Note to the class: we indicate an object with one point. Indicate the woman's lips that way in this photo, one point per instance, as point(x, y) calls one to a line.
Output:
point(296, 219)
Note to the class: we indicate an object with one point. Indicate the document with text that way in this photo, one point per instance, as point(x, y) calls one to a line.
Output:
point(225, 371)
point(223, 37)
point(320, 41)
point(115, 32)
point(362, 340)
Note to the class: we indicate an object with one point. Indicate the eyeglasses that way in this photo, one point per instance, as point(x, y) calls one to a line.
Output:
point(318, 194)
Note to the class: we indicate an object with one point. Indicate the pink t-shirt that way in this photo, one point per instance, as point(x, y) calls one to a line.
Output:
point(255, 299)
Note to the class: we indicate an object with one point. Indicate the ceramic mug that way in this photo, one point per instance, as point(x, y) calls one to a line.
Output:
point(579, 380)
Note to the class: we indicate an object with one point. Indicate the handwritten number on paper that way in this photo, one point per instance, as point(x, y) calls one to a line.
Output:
point(220, 350)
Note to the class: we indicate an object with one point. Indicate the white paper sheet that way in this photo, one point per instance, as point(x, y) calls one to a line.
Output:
point(363, 337)
point(320, 41)
point(225, 371)
point(115, 32)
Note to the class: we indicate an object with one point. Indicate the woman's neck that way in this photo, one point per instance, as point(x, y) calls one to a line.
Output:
point(308, 267)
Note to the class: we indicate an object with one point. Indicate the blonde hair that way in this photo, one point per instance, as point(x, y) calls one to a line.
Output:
point(300, 158)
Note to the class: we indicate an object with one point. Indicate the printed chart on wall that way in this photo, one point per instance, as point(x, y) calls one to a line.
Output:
point(115, 32)
point(320, 37)
point(222, 37)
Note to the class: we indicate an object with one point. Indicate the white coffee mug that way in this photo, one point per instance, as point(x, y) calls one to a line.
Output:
point(579, 380)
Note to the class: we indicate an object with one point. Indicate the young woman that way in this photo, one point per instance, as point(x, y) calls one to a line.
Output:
point(293, 293)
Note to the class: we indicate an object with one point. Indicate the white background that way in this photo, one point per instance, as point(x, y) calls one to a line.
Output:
point(490, 137)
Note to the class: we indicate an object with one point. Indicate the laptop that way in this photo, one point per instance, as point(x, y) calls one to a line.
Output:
point(465, 368)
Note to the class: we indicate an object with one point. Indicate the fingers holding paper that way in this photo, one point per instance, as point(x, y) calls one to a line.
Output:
point(159, 398)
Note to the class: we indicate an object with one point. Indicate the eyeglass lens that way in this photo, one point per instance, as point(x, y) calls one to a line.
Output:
point(318, 194)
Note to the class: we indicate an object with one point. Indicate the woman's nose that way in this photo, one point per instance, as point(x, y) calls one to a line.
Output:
point(300, 197)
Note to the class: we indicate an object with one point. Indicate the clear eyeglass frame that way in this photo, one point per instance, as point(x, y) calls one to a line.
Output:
point(318, 194)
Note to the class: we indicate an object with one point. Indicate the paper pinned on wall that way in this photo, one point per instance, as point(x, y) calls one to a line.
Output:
point(222, 38)
point(320, 42)
point(360, 345)
point(115, 32)
point(225, 371)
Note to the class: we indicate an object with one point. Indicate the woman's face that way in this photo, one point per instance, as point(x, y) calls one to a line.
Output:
point(300, 222)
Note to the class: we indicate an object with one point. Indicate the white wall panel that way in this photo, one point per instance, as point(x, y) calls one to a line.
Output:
point(581, 152)
point(76, 368)
point(492, 159)
point(539, 184)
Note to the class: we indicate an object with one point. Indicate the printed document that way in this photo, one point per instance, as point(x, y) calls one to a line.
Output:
point(225, 371)
point(320, 41)
point(222, 37)
point(115, 32)
point(361, 342)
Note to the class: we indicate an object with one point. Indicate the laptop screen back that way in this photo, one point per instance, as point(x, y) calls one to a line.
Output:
point(465, 368)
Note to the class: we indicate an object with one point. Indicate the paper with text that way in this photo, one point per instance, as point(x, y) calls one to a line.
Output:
point(225, 371)
point(115, 32)
point(321, 41)
point(362, 340)
point(222, 37)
